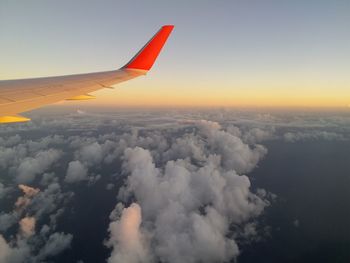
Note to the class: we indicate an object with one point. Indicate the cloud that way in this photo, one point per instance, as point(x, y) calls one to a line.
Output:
point(32, 166)
point(110, 186)
point(10, 141)
point(4, 190)
point(126, 238)
point(30, 153)
point(186, 179)
point(27, 226)
point(4, 250)
point(23, 201)
point(21, 250)
point(29, 210)
point(258, 135)
point(48, 178)
point(7, 155)
point(28, 191)
point(49, 200)
point(76, 172)
point(7, 220)
point(91, 154)
point(312, 135)
point(56, 243)
point(194, 201)
point(235, 154)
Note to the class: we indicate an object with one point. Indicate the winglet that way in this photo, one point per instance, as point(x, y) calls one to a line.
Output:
point(146, 57)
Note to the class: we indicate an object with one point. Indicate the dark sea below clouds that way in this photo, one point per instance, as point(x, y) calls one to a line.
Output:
point(310, 219)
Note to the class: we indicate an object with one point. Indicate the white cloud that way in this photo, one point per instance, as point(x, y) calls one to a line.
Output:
point(5, 250)
point(4, 190)
point(49, 200)
point(32, 166)
point(56, 243)
point(76, 172)
point(186, 179)
point(48, 178)
point(188, 209)
point(10, 141)
point(19, 251)
point(189, 204)
point(234, 153)
point(257, 135)
point(7, 220)
point(91, 154)
point(24, 246)
point(312, 135)
point(7, 155)
point(128, 242)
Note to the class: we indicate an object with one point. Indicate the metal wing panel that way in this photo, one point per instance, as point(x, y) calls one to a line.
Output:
point(20, 96)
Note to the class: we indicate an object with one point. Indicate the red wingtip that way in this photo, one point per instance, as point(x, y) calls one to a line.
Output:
point(145, 58)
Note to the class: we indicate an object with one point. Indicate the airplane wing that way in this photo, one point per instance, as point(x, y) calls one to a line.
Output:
point(22, 95)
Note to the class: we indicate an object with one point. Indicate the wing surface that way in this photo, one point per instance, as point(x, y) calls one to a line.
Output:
point(17, 96)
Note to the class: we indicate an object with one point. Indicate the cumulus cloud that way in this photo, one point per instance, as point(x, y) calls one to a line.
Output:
point(126, 239)
point(193, 203)
point(56, 243)
point(234, 153)
point(32, 166)
point(48, 178)
point(10, 141)
point(91, 154)
point(18, 251)
point(28, 191)
point(186, 181)
point(27, 226)
point(4, 190)
point(4, 250)
point(50, 200)
point(7, 156)
point(258, 135)
point(7, 220)
point(27, 245)
point(23, 201)
point(76, 172)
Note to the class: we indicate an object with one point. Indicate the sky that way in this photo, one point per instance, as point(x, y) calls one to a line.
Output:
point(222, 53)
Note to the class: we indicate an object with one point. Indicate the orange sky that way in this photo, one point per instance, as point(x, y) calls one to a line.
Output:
point(155, 91)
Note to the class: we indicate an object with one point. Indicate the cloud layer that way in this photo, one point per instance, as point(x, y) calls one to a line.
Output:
point(194, 203)
point(186, 197)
